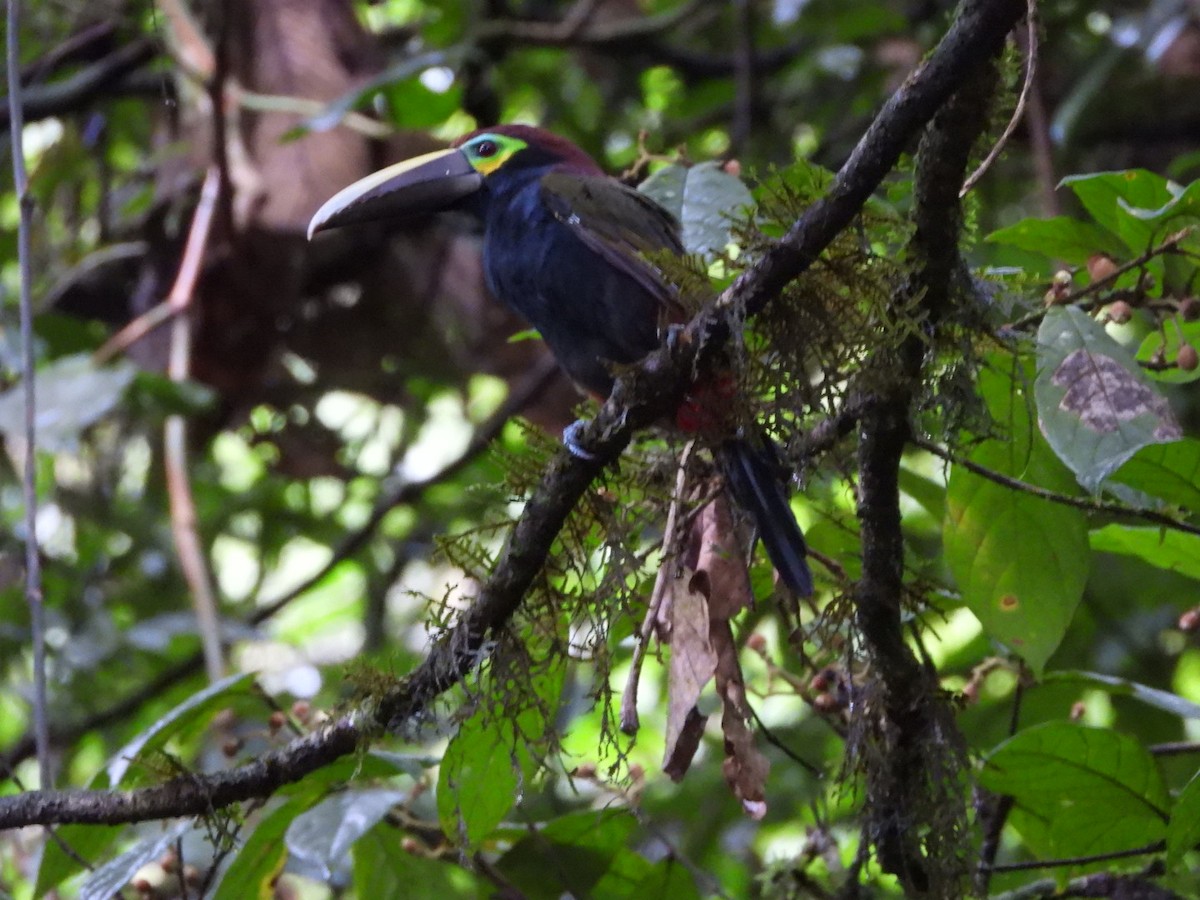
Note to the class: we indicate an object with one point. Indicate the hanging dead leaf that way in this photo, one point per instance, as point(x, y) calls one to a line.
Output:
point(745, 768)
point(693, 662)
point(720, 558)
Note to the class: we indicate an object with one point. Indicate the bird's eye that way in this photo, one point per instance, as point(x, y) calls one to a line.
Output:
point(486, 149)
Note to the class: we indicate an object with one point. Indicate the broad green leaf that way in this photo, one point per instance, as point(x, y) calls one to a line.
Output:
point(1082, 790)
point(263, 854)
point(1062, 238)
point(1164, 700)
point(570, 855)
point(323, 835)
point(113, 877)
point(669, 879)
point(1166, 344)
point(1169, 471)
point(705, 199)
point(1137, 205)
point(72, 394)
point(1020, 562)
point(478, 781)
point(382, 868)
point(1142, 208)
point(196, 707)
point(488, 763)
point(1161, 547)
point(1096, 407)
point(1183, 831)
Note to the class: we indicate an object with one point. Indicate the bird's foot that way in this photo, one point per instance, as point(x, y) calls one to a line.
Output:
point(674, 336)
point(570, 438)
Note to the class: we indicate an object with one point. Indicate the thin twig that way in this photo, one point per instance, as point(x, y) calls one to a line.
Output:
point(666, 573)
point(33, 565)
point(1019, 112)
point(1069, 861)
point(1174, 748)
point(1084, 503)
point(1169, 244)
point(179, 491)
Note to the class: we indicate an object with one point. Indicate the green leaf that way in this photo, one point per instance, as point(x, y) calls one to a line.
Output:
point(383, 869)
point(1020, 562)
point(705, 199)
point(1159, 699)
point(477, 783)
point(195, 709)
point(261, 858)
point(1061, 237)
point(110, 879)
point(323, 836)
point(1165, 344)
point(333, 114)
point(89, 842)
point(1161, 547)
point(488, 763)
point(1082, 790)
point(1183, 831)
point(1135, 204)
point(1096, 407)
point(1142, 208)
point(253, 871)
point(1169, 471)
point(72, 394)
point(570, 855)
point(165, 395)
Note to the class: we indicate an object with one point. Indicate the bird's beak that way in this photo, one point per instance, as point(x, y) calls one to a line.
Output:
point(419, 186)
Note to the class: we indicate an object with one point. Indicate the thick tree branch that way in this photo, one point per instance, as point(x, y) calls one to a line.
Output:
point(920, 752)
point(641, 398)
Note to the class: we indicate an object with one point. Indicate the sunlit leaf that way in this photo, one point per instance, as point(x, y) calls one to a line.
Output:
point(1020, 561)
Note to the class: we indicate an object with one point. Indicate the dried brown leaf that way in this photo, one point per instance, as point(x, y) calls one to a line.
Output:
point(745, 768)
point(693, 662)
point(719, 557)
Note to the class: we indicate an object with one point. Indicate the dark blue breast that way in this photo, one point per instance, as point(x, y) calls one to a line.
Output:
point(588, 312)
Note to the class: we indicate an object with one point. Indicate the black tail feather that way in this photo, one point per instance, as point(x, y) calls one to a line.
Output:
point(754, 481)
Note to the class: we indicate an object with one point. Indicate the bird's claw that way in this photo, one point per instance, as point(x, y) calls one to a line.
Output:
point(571, 436)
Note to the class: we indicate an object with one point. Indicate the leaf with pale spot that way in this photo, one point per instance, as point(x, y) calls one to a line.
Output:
point(1095, 406)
